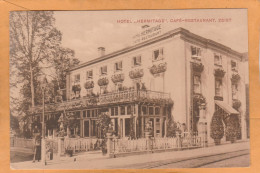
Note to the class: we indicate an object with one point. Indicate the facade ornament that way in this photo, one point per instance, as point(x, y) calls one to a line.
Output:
point(118, 78)
point(219, 72)
point(89, 85)
point(160, 68)
point(103, 81)
point(198, 67)
point(138, 73)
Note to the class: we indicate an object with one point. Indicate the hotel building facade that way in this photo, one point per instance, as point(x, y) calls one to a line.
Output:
point(177, 74)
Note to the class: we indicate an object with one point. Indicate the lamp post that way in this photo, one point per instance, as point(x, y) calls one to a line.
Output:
point(43, 148)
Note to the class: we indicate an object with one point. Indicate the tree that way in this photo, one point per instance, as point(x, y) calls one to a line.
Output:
point(35, 47)
point(217, 127)
point(32, 37)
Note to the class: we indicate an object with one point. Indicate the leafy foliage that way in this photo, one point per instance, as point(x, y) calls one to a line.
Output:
point(232, 128)
point(172, 128)
point(103, 123)
point(216, 126)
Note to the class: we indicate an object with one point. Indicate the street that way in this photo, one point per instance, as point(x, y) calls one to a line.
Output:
point(227, 155)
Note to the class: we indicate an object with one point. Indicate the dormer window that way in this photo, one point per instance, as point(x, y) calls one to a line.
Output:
point(118, 66)
point(158, 54)
point(77, 78)
point(137, 60)
point(218, 59)
point(103, 70)
point(195, 52)
point(234, 65)
point(90, 74)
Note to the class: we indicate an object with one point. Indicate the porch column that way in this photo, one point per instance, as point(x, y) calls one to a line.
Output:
point(154, 127)
point(202, 127)
point(142, 127)
point(243, 126)
point(161, 128)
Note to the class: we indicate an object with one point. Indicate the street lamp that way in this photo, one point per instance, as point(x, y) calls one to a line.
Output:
point(43, 148)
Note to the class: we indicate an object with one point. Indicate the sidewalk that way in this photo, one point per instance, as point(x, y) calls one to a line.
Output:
point(95, 160)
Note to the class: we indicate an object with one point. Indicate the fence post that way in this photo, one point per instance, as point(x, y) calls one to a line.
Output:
point(59, 148)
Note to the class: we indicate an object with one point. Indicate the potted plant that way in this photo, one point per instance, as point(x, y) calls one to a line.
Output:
point(217, 128)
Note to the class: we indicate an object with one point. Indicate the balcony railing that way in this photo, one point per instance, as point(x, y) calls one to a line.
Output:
point(108, 98)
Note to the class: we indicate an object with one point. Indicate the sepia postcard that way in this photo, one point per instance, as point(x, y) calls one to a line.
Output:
point(129, 89)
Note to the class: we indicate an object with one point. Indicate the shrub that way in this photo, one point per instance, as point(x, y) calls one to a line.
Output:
point(217, 127)
point(232, 128)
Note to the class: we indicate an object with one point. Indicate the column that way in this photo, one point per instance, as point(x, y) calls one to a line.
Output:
point(142, 127)
point(202, 128)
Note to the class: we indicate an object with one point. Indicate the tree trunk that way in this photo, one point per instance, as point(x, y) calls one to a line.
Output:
point(32, 86)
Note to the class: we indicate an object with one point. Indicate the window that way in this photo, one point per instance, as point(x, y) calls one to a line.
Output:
point(129, 110)
point(233, 65)
point(218, 59)
point(77, 78)
point(103, 70)
point(218, 87)
point(195, 52)
point(90, 74)
point(137, 60)
point(144, 111)
point(234, 91)
point(84, 114)
point(158, 54)
point(116, 110)
point(88, 113)
point(150, 110)
point(118, 66)
point(196, 85)
point(157, 111)
point(122, 109)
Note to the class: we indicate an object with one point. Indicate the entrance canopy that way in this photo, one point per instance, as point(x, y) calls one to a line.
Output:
point(226, 107)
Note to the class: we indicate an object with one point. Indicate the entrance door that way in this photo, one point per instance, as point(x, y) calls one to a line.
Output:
point(86, 128)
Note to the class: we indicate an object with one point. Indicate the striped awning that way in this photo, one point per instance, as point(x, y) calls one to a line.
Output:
point(226, 107)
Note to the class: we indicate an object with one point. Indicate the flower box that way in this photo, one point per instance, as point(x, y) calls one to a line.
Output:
point(118, 78)
point(235, 78)
point(236, 104)
point(89, 85)
point(136, 73)
point(103, 81)
point(198, 67)
point(219, 72)
point(76, 88)
point(160, 68)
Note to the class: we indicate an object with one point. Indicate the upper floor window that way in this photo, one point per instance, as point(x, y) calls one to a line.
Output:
point(218, 87)
point(90, 74)
point(77, 78)
point(137, 60)
point(196, 84)
point(195, 52)
point(234, 65)
point(158, 54)
point(118, 66)
point(103, 70)
point(218, 59)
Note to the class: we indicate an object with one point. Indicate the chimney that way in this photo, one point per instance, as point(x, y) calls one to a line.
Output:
point(101, 51)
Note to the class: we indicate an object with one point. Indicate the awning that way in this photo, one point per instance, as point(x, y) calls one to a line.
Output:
point(226, 107)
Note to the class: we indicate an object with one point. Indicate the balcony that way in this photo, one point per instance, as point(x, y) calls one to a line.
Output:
point(129, 95)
